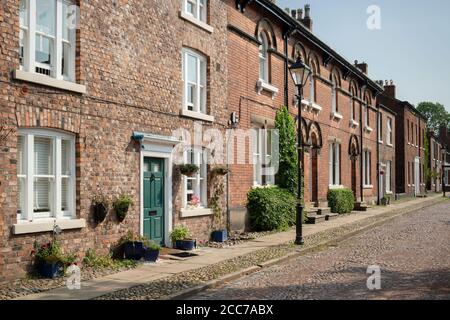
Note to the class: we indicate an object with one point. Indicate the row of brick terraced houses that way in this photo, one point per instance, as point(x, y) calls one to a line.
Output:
point(93, 110)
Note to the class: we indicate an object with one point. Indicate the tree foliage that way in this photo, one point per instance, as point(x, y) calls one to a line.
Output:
point(436, 115)
point(287, 176)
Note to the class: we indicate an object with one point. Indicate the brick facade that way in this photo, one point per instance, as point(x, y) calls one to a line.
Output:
point(435, 161)
point(410, 152)
point(320, 127)
point(130, 61)
point(388, 163)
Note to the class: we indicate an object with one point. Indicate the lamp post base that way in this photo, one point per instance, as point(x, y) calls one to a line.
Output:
point(299, 241)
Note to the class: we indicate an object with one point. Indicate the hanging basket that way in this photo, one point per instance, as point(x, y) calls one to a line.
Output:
point(188, 170)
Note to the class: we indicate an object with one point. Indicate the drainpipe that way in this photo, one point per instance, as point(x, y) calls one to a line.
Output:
point(378, 154)
point(361, 129)
point(286, 69)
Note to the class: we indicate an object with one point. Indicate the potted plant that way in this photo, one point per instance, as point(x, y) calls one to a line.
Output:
point(122, 205)
point(133, 246)
point(188, 170)
point(151, 250)
point(194, 202)
point(49, 259)
point(180, 239)
point(385, 201)
point(100, 205)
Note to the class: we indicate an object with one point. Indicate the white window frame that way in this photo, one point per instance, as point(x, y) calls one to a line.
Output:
point(29, 63)
point(389, 132)
point(334, 153)
point(56, 177)
point(200, 84)
point(389, 177)
point(262, 156)
point(367, 169)
point(199, 180)
point(263, 58)
point(334, 96)
point(380, 127)
point(200, 9)
point(312, 89)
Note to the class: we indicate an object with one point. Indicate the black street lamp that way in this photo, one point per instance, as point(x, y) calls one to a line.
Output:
point(300, 73)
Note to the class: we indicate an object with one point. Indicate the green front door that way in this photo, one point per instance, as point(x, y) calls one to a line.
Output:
point(154, 199)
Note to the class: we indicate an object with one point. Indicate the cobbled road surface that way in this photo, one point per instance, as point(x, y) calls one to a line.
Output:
point(412, 251)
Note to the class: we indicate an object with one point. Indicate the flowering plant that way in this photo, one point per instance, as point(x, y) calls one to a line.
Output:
point(51, 253)
point(195, 201)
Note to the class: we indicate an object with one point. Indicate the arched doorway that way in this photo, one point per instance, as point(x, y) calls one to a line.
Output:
point(354, 153)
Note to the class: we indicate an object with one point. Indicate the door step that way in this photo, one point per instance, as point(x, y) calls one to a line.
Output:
point(319, 215)
point(361, 207)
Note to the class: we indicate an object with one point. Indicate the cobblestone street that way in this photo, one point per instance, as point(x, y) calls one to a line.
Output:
point(413, 252)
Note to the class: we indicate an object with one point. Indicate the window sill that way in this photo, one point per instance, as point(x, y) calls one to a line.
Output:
point(337, 116)
point(198, 23)
point(333, 187)
point(49, 81)
point(368, 129)
point(198, 212)
point(380, 141)
point(354, 124)
point(262, 85)
point(389, 192)
point(390, 145)
point(368, 187)
point(47, 225)
point(196, 115)
point(315, 107)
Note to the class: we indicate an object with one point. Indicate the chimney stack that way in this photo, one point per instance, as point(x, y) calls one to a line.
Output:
point(364, 67)
point(389, 89)
point(307, 21)
point(287, 10)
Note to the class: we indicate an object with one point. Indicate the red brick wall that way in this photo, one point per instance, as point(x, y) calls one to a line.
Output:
point(129, 57)
point(244, 99)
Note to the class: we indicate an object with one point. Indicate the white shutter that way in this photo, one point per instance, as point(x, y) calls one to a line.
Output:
point(43, 168)
point(42, 195)
point(42, 156)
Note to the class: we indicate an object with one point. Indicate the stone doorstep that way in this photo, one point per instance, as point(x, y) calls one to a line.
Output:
point(123, 279)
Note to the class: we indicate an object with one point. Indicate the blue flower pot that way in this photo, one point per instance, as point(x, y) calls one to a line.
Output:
point(220, 236)
point(186, 245)
point(49, 270)
point(134, 250)
point(151, 255)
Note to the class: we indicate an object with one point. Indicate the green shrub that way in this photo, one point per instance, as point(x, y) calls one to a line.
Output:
point(97, 261)
point(271, 208)
point(341, 200)
point(179, 233)
point(288, 164)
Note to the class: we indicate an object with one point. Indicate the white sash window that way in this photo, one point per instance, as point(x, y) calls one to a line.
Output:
point(46, 175)
point(197, 9)
point(194, 77)
point(48, 38)
point(334, 166)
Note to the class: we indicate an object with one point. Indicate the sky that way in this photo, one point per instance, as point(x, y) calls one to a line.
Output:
point(412, 46)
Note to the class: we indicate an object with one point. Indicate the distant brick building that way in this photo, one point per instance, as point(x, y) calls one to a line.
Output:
point(339, 105)
point(410, 151)
point(444, 138)
point(387, 145)
point(435, 161)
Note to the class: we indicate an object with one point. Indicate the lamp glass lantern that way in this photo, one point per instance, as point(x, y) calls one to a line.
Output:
point(300, 72)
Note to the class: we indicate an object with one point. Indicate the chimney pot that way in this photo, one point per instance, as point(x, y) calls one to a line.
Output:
point(287, 10)
point(299, 14)
point(294, 14)
point(389, 89)
point(307, 11)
